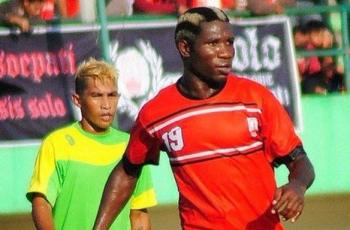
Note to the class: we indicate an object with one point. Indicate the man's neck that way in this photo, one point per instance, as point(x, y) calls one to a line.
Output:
point(194, 88)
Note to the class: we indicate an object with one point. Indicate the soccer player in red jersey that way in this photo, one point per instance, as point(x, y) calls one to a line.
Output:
point(223, 135)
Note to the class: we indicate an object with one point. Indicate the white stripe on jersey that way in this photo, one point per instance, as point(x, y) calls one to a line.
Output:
point(201, 111)
point(231, 151)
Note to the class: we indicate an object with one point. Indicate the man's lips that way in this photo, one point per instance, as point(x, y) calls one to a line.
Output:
point(224, 68)
point(106, 116)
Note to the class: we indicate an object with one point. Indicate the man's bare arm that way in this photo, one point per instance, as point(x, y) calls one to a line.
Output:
point(289, 198)
point(42, 213)
point(117, 192)
point(140, 219)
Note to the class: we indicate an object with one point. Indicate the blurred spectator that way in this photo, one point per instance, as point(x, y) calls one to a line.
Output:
point(320, 35)
point(20, 12)
point(264, 7)
point(303, 19)
point(301, 37)
point(68, 8)
point(319, 75)
point(158, 6)
point(178, 6)
point(314, 35)
point(65, 9)
point(48, 10)
point(327, 80)
point(119, 7)
point(222, 4)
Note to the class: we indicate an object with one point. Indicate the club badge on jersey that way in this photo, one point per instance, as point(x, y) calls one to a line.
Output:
point(253, 126)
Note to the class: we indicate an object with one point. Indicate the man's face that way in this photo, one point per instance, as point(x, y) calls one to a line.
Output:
point(213, 51)
point(98, 104)
point(34, 8)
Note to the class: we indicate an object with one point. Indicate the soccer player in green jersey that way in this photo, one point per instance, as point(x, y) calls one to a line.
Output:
point(74, 162)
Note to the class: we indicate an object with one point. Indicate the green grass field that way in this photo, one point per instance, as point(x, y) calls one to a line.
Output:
point(328, 212)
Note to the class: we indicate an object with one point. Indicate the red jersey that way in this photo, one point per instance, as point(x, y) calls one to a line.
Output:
point(220, 150)
point(155, 6)
point(309, 65)
point(171, 6)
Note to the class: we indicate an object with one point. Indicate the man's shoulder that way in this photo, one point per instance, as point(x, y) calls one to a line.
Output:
point(245, 83)
point(160, 105)
point(61, 131)
point(164, 93)
point(162, 98)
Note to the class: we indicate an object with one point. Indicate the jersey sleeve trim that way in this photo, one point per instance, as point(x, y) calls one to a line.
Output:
point(45, 178)
point(144, 200)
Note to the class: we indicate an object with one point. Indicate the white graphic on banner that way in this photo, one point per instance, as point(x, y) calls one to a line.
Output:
point(141, 76)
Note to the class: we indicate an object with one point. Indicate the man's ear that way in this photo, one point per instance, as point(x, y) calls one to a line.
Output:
point(76, 100)
point(184, 48)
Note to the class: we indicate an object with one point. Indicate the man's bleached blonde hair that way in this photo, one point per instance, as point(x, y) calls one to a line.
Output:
point(188, 26)
point(95, 69)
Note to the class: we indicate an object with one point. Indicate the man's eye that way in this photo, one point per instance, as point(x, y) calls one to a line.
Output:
point(114, 94)
point(230, 41)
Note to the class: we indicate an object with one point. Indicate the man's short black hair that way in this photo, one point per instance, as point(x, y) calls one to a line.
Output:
point(188, 26)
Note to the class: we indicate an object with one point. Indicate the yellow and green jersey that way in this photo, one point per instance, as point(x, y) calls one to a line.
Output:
point(71, 170)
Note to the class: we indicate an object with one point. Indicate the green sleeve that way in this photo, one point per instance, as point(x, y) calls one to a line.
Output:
point(144, 194)
point(45, 178)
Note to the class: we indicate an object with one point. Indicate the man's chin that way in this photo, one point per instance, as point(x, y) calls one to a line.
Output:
point(225, 71)
point(222, 76)
point(104, 125)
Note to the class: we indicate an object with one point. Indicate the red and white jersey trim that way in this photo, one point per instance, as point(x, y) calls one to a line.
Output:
point(216, 152)
point(200, 111)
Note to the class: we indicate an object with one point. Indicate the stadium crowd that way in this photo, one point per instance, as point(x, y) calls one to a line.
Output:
point(318, 74)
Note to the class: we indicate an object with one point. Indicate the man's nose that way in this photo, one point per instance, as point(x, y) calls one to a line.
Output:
point(105, 104)
point(226, 51)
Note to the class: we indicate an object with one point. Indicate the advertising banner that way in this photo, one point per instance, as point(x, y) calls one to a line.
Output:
point(37, 71)
point(36, 80)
